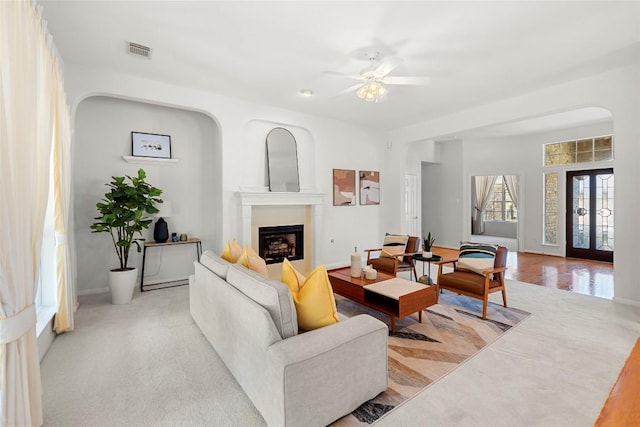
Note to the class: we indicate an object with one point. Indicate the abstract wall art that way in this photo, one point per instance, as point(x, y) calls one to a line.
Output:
point(369, 187)
point(344, 187)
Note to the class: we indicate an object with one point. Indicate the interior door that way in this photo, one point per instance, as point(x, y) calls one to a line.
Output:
point(590, 214)
point(411, 203)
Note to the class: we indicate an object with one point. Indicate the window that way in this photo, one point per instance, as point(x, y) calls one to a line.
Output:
point(582, 151)
point(551, 208)
point(557, 156)
point(500, 206)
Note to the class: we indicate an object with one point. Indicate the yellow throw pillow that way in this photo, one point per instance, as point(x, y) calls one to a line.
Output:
point(251, 260)
point(291, 277)
point(313, 296)
point(232, 251)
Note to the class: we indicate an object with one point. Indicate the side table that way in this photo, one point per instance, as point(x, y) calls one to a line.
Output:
point(172, 283)
point(426, 279)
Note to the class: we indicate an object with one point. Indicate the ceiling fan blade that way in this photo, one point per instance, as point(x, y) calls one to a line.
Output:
point(405, 80)
point(388, 66)
point(347, 90)
point(338, 74)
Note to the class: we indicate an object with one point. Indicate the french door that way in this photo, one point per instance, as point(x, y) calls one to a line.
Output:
point(590, 214)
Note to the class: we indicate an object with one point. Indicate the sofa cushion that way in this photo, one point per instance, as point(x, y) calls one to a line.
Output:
point(272, 295)
point(312, 296)
point(476, 257)
point(232, 251)
point(214, 263)
point(394, 244)
point(251, 260)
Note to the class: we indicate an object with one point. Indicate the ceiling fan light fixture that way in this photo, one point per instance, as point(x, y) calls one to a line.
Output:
point(371, 91)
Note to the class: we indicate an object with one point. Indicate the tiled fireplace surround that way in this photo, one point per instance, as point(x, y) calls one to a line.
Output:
point(251, 199)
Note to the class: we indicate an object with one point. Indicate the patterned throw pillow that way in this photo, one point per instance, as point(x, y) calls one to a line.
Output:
point(394, 244)
point(476, 257)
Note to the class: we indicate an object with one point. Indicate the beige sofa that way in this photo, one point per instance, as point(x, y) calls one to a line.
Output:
point(308, 379)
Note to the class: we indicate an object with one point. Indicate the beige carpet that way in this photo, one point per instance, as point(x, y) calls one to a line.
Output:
point(147, 364)
point(421, 353)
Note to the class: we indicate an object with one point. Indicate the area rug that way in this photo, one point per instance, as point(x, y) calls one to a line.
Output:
point(420, 353)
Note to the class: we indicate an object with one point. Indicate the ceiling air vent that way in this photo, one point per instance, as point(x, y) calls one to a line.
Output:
point(138, 49)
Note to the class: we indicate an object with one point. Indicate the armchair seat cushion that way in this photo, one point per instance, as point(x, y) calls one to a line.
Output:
point(466, 281)
point(384, 264)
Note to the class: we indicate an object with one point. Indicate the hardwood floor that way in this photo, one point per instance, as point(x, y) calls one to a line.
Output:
point(622, 408)
point(571, 274)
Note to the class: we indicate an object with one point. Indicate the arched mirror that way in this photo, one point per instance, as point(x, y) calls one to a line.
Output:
point(282, 161)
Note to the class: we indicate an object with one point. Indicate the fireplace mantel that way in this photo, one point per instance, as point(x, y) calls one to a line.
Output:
point(272, 198)
point(248, 199)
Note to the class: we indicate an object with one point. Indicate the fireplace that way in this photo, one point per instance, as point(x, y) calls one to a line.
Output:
point(280, 242)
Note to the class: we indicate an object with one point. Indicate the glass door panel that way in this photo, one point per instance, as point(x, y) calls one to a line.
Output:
point(604, 209)
point(581, 197)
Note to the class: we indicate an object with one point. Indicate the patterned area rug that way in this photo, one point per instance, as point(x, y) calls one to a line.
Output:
point(420, 353)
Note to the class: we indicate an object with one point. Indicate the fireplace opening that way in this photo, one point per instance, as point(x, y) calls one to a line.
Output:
point(280, 242)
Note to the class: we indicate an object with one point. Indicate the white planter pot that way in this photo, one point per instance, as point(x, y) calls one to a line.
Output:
point(121, 284)
point(427, 254)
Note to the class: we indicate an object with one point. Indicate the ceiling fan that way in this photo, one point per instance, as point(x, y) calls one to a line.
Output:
point(375, 76)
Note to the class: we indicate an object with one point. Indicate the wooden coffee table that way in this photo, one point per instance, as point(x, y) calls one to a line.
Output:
point(393, 296)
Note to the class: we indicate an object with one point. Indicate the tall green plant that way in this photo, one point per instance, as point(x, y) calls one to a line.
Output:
point(123, 212)
point(428, 242)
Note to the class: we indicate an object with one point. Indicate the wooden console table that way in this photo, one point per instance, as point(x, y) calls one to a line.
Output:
point(171, 283)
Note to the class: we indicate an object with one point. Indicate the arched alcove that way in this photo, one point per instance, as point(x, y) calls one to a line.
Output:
point(193, 183)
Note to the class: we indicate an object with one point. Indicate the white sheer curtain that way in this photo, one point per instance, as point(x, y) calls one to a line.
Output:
point(511, 181)
point(484, 188)
point(61, 164)
point(29, 97)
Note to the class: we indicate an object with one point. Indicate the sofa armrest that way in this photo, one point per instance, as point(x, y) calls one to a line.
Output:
point(339, 367)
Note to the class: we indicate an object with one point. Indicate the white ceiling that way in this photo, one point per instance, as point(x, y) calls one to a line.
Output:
point(267, 51)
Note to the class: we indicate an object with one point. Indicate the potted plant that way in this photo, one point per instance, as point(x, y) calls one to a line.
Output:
point(427, 243)
point(123, 214)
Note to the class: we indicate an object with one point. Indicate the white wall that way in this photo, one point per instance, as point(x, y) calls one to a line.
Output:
point(339, 145)
point(103, 129)
point(615, 90)
point(324, 144)
point(442, 195)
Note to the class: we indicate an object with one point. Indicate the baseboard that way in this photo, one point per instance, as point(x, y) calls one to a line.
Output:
point(161, 281)
point(626, 301)
point(93, 291)
point(543, 253)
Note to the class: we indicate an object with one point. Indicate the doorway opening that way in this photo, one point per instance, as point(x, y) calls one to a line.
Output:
point(494, 200)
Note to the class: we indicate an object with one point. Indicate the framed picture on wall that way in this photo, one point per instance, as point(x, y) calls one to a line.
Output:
point(150, 145)
point(344, 187)
point(369, 187)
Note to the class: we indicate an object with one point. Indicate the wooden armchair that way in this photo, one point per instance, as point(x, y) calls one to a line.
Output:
point(473, 284)
point(399, 262)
